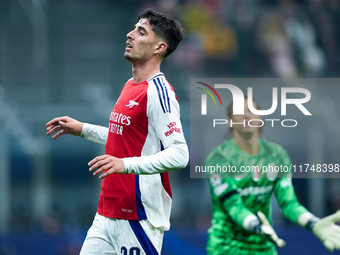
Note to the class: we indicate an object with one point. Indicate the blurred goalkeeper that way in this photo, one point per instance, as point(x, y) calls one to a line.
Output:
point(241, 203)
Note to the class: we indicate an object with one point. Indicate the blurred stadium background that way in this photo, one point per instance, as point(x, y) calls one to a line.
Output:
point(65, 57)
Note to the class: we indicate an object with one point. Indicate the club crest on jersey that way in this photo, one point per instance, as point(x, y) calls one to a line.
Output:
point(132, 104)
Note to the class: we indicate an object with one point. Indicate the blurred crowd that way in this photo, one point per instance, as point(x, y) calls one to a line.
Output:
point(283, 38)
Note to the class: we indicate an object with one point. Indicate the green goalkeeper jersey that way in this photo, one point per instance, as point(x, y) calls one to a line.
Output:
point(234, 197)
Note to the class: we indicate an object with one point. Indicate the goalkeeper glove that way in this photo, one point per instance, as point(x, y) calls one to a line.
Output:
point(262, 227)
point(328, 232)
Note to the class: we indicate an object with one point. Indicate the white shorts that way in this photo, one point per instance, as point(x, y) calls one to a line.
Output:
point(122, 237)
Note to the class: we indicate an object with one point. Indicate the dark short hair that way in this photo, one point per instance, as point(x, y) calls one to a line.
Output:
point(164, 27)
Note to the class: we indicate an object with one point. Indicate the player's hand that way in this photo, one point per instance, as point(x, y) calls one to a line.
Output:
point(328, 232)
point(267, 230)
point(63, 125)
point(106, 162)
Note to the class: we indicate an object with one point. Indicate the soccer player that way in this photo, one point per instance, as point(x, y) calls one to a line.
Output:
point(144, 140)
point(241, 203)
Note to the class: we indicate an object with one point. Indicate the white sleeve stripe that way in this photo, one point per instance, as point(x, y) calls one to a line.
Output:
point(162, 95)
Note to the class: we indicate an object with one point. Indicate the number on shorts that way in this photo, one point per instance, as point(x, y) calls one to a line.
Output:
point(132, 251)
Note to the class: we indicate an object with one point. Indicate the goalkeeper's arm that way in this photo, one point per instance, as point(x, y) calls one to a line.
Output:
point(261, 226)
point(325, 229)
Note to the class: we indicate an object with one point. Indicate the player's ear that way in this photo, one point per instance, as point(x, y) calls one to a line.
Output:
point(160, 48)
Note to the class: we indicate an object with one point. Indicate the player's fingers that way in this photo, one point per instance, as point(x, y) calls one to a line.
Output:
point(336, 231)
point(95, 160)
point(49, 128)
point(98, 171)
point(334, 240)
point(111, 170)
point(277, 241)
point(65, 125)
point(53, 129)
point(280, 243)
point(263, 218)
point(97, 166)
point(337, 244)
point(60, 133)
point(60, 126)
point(335, 217)
point(336, 228)
point(101, 164)
point(55, 121)
point(329, 245)
point(102, 169)
point(105, 174)
point(52, 122)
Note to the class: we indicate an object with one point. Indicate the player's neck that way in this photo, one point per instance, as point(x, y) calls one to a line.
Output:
point(143, 71)
point(248, 143)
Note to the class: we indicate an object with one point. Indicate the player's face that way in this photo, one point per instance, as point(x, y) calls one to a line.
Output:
point(249, 121)
point(141, 43)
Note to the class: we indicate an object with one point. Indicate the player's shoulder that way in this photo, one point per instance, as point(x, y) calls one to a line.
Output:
point(161, 93)
point(271, 144)
point(227, 145)
point(221, 151)
point(129, 81)
point(273, 148)
point(158, 82)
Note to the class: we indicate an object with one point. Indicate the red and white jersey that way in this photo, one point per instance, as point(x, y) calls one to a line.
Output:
point(146, 132)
